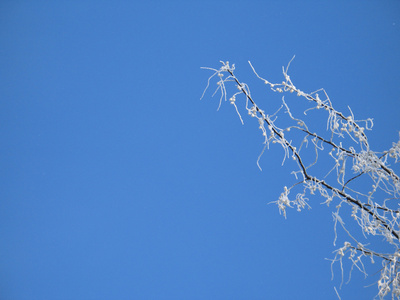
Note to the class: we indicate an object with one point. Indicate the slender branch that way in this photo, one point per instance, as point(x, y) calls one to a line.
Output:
point(304, 171)
point(373, 218)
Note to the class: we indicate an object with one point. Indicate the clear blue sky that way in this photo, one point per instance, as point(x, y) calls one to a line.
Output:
point(117, 182)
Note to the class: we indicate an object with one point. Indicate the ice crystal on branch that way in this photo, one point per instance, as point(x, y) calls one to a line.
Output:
point(334, 164)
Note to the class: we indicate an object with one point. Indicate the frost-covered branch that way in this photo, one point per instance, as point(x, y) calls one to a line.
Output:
point(345, 148)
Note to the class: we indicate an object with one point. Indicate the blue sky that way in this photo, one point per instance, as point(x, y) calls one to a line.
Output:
point(117, 182)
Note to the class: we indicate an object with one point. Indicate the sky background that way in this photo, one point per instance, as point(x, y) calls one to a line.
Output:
point(117, 182)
